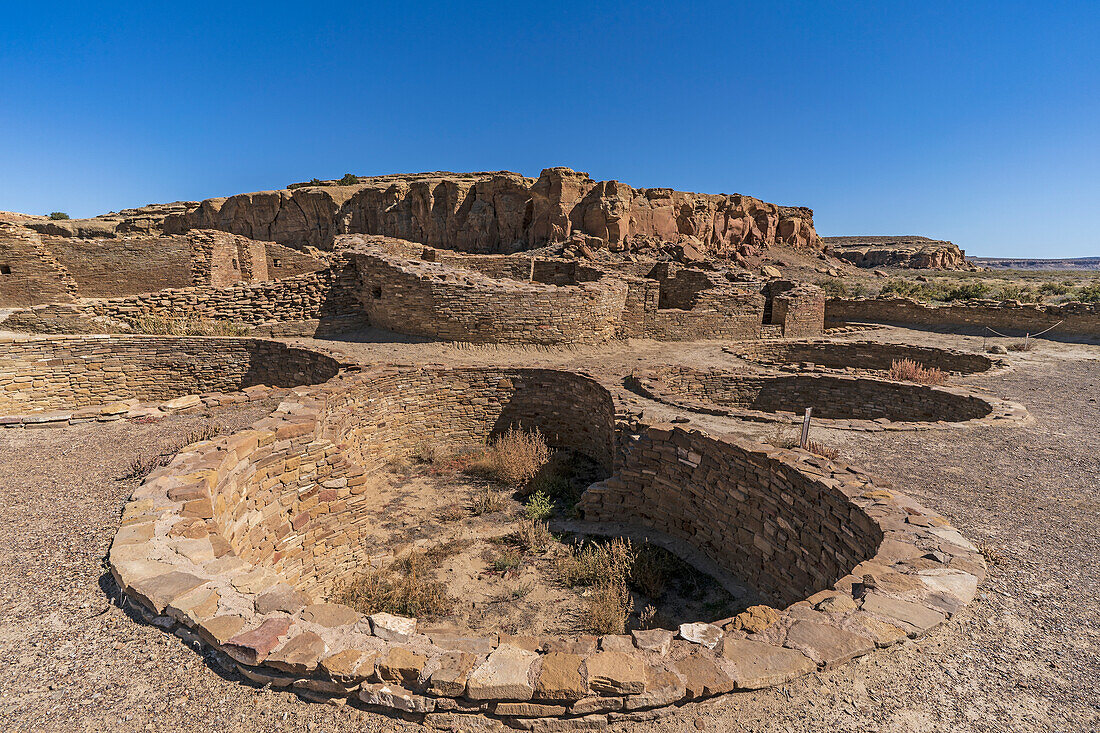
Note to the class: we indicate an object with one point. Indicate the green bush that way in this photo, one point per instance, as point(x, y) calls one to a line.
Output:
point(1022, 293)
point(1053, 288)
point(58, 215)
point(349, 179)
point(539, 506)
point(967, 291)
point(833, 287)
point(1088, 293)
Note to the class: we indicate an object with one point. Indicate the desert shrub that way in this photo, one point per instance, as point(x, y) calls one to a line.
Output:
point(1022, 293)
point(534, 536)
point(1052, 288)
point(429, 452)
point(651, 570)
point(58, 215)
point(967, 291)
point(833, 287)
point(901, 288)
point(605, 567)
point(907, 370)
point(1088, 293)
point(405, 588)
point(1025, 345)
point(513, 458)
point(507, 559)
point(487, 501)
point(165, 326)
point(593, 563)
point(349, 179)
point(539, 506)
point(607, 609)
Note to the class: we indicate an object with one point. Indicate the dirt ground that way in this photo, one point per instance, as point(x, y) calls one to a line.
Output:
point(494, 582)
point(1024, 656)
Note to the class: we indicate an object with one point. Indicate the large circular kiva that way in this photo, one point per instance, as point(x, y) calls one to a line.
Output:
point(860, 355)
point(236, 545)
point(837, 400)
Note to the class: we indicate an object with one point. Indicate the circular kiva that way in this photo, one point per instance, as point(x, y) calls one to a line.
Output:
point(65, 380)
point(838, 401)
point(860, 355)
point(235, 543)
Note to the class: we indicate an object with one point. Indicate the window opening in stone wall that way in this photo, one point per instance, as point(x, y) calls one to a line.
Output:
point(236, 265)
point(276, 263)
point(5, 269)
point(377, 293)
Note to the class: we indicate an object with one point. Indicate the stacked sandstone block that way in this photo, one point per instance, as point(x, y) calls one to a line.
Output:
point(324, 294)
point(428, 299)
point(69, 373)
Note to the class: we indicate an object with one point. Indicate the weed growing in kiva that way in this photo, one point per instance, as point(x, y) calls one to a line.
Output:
point(907, 370)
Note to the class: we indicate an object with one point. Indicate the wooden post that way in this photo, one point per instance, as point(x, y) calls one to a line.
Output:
point(804, 442)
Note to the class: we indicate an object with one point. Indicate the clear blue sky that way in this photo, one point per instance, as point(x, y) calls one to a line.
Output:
point(977, 122)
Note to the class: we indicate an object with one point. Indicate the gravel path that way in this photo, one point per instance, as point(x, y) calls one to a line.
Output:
point(1025, 656)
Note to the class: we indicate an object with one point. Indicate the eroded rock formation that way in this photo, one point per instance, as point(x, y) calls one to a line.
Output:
point(504, 212)
point(913, 252)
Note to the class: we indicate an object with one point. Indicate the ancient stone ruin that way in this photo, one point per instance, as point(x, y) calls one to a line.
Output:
point(239, 543)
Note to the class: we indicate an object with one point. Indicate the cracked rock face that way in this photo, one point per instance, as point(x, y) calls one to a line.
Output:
point(504, 212)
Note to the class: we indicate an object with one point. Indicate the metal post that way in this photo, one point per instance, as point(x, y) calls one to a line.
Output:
point(804, 442)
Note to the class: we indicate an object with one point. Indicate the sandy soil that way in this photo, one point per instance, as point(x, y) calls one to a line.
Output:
point(1025, 656)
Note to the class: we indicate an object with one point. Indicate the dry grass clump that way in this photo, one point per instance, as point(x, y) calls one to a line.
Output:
point(534, 536)
point(608, 608)
point(910, 371)
point(429, 452)
point(604, 567)
point(487, 501)
point(1025, 345)
point(507, 559)
point(405, 588)
point(513, 458)
point(165, 326)
point(820, 449)
point(789, 438)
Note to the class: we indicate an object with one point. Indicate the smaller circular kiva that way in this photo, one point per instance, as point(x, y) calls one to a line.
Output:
point(235, 545)
point(67, 380)
point(840, 401)
point(860, 355)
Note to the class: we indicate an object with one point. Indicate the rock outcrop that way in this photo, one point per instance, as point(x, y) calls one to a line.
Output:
point(505, 212)
point(912, 252)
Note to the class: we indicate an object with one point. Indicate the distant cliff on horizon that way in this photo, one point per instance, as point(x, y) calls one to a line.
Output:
point(1027, 263)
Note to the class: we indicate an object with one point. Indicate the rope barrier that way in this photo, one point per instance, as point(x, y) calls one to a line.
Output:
point(1027, 335)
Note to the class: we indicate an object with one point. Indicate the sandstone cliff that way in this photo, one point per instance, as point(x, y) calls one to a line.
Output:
point(913, 252)
point(504, 212)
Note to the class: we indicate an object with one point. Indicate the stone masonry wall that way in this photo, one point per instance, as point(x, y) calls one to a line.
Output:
point(784, 532)
point(429, 299)
point(62, 373)
point(325, 294)
point(304, 510)
point(1068, 321)
point(29, 273)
